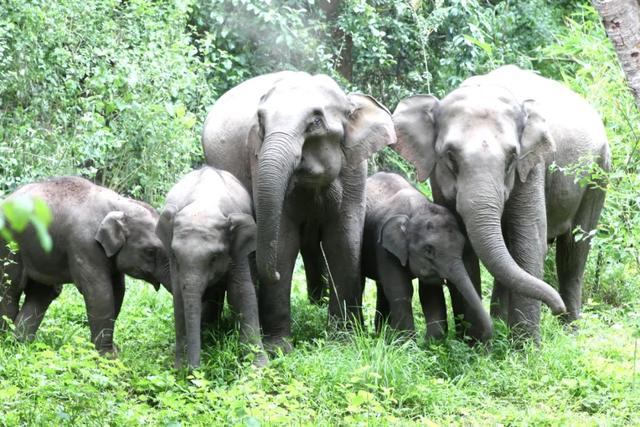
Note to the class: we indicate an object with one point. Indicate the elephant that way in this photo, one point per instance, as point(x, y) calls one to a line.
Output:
point(407, 237)
point(299, 144)
point(207, 227)
point(98, 236)
point(488, 147)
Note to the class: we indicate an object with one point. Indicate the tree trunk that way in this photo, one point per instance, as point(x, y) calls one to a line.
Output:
point(621, 19)
point(332, 9)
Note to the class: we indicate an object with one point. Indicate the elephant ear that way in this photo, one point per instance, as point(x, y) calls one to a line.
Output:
point(243, 234)
point(112, 232)
point(536, 141)
point(164, 229)
point(414, 120)
point(369, 128)
point(256, 131)
point(393, 237)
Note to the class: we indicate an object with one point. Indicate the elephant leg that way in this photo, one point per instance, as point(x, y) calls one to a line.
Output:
point(571, 256)
point(342, 245)
point(178, 316)
point(213, 305)
point(98, 293)
point(382, 308)
point(243, 301)
point(38, 297)
point(11, 293)
point(434, 308)
point(500, 301)
point(118, 292)
point(525, 227)
point(461, 314)
point(275, 298)
point(315, 267)
point(398, 290)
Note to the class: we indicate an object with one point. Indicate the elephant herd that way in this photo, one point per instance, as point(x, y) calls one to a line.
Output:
point(287, 174)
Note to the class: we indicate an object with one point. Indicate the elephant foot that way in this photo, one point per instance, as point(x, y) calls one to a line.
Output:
point(320, 301)
point(570, 326)
point(568, 318)
point(522, 335)
point(109, 352)
point(436, 336)
point(275, 345)
point(260, 360)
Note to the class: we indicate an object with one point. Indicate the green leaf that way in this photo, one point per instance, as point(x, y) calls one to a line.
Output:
point(41, 211)
point(17, 212)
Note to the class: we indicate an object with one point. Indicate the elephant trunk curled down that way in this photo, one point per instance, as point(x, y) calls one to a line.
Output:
point(279, 157)
point(487, 147)
point(299, 144)
point(481, 213)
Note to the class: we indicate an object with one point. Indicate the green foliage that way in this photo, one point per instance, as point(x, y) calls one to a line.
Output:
point(583, 58)
point(583, 378)
point(17, 214)
point(107, 89)
point(116, 91)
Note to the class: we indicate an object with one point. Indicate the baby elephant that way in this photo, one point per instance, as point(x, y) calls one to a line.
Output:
point(406, 236)
point(208, 228)
point(98, 237)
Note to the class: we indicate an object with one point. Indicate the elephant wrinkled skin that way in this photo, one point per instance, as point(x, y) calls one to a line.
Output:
point(406, 236)
point(299, 144)
point(98, 237)
point(487, 148)
point(207, 227)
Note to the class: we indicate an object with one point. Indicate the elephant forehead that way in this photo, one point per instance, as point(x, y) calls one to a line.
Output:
point(198, 222)
point(198, 243)
point(472, 140)
point(313, 93)
point(482, 102)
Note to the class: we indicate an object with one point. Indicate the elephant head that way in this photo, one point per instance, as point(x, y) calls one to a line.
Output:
point(430, 242)
point(307, 131)
point(475, 144)
point(203, 246)
point(130, 239)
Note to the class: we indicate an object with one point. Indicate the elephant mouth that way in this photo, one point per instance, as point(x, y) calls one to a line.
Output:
point(430, 276)
point(308, 179)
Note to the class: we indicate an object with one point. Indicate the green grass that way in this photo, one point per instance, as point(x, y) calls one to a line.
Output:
point(572, 378)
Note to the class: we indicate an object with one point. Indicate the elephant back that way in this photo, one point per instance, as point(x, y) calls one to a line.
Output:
point(228, 124)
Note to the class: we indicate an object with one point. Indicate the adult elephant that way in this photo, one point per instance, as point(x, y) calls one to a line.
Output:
point(487, 148)
point(299, 144)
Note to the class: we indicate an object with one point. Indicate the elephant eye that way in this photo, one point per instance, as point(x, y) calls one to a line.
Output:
point(315, 124)
point(451, 162)
point(150, 252)
point(429, 250)
point(511, 160)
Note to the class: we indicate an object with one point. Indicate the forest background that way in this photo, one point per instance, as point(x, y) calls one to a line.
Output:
point(117, 90)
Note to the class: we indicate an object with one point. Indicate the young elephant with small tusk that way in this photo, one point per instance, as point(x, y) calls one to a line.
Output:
point(208, 228)
point(406, 237)
point(98, 237)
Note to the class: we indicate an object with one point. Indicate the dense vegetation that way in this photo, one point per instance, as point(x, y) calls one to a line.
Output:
point(117, 90)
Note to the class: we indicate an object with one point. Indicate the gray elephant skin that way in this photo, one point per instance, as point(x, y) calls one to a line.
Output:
point(98, 237)
point(299, 144)
point(406, 237)
point(207, 227)
point(487, 148)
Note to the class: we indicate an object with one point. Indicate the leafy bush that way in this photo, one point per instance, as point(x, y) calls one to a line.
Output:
point(107, 89)
point(116, 90)
point(584, 59)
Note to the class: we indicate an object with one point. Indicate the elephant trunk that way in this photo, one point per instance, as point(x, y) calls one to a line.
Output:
point(192, 297)
point(481, 326)
point(482, 217)
point(279, 156)
point(163, 272)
